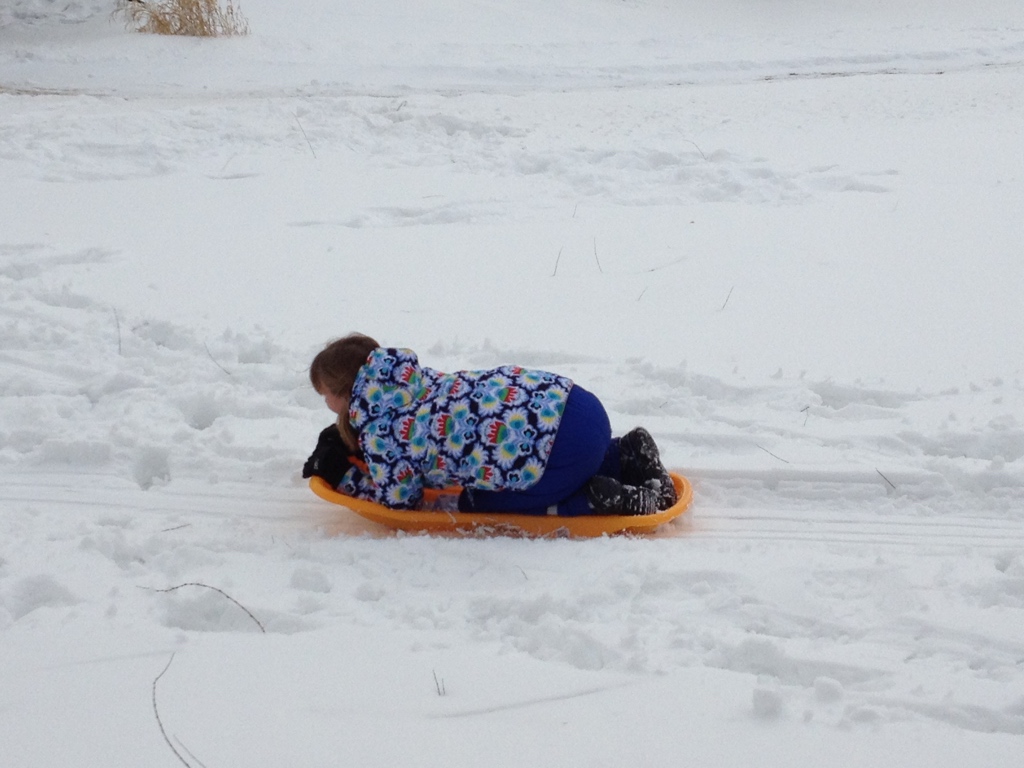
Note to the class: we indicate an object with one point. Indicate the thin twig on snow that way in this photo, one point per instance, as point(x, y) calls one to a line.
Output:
point(558, 258)
point(215, 589)
point(117, 322)
point(727, 298)
point(207, 346)
point(308, 142)
point(159, 722)
point(698, 149)
point(887, 480)
point(784, 461)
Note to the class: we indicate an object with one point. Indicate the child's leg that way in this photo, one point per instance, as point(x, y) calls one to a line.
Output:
point(640, 463)
point(582, 448)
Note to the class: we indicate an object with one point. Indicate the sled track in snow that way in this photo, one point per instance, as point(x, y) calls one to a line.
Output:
point(893, 530)
point(114, 496)
point(454, 80)
point(769, 515)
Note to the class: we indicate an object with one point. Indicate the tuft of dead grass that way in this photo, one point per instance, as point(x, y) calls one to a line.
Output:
point(197, 18)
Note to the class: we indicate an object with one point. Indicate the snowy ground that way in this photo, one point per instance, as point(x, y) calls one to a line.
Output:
point(786, 238)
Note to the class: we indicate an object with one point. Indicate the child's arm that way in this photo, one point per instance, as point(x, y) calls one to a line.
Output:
point(357, 483)
point(393, 480)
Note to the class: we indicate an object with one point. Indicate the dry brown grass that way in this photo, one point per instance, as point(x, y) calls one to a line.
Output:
point(198, 18)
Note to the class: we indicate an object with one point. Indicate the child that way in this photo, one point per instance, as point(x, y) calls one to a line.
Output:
point(516, 440)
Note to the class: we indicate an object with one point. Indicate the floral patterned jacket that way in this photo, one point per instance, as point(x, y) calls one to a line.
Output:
point(420, 428)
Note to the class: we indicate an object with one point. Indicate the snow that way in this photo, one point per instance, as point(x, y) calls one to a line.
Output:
point(785, 237)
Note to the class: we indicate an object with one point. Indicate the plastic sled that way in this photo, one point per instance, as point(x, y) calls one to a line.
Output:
point(502, 523)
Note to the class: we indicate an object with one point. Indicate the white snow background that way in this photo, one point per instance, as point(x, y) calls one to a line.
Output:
point(784, 235)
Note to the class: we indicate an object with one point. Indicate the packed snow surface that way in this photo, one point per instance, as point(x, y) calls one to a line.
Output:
point(786, 237)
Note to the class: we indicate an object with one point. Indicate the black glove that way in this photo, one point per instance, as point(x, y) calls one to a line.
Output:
point(330, 459)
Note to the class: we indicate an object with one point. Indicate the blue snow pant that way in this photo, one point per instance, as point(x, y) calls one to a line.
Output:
point(583, 448)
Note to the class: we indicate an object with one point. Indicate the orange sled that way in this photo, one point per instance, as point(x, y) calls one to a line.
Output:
point(503, 523)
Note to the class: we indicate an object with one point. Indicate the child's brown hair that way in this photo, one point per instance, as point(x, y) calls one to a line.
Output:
point(335, 368)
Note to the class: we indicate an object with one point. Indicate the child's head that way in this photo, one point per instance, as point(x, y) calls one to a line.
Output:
point(333, 371)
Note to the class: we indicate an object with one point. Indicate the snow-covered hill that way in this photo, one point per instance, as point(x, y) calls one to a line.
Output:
point(785, 238)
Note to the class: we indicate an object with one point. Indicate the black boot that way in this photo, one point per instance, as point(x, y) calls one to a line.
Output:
point(641, 463)
point(607, 496)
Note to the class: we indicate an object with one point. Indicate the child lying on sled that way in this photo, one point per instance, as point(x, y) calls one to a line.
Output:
point(515, 439)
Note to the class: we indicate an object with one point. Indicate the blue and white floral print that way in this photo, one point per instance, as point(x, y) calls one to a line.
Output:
point(420, 428)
